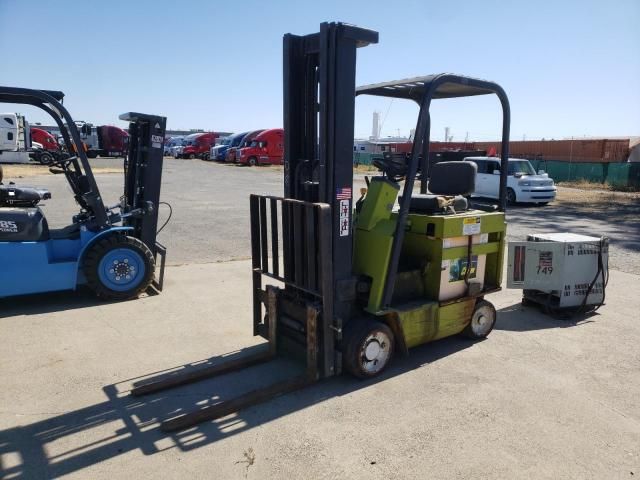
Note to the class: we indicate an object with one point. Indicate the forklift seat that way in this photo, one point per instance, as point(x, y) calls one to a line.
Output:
point(14, 196)
point(449, 182)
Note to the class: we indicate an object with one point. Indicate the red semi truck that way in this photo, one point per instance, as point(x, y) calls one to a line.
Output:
point(265, 148)
point(45, 139)
point(245, 142)
point(199, 145)
point(104, 140)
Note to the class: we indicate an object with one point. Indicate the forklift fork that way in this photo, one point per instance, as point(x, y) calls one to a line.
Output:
point(253, 397)
point(298, 313)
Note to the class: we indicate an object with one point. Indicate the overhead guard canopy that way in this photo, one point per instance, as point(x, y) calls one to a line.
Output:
point(447, 85)
point(28, 96)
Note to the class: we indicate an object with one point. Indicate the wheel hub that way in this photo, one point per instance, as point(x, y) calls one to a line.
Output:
point(375, 352)
point(482, 320)
point(122, 270)
point(372, 350)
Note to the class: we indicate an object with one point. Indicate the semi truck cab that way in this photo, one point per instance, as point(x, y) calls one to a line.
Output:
point(44, 138)
point(15, 138)
point(266, 148)
point(199, 145)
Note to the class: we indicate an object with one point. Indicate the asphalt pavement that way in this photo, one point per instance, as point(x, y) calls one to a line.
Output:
point(539, 398)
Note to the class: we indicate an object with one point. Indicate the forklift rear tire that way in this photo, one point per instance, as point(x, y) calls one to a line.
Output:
point(118, 267)
point(369, 348)
point(483, 319)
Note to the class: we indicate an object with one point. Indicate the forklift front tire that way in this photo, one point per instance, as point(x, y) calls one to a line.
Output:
point(118, 267)
point(369, 348)
point(483, 319)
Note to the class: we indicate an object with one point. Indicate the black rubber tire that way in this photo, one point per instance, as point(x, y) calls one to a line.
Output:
point(252, 162)
point(45, 158)
point(1, 173)
point(192, 156)
point(511, 196)
point(92, 259)
point(91, 154)
point(468, 331)
point(354, 343)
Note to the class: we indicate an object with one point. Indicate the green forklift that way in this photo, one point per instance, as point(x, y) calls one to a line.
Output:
point(353, 284)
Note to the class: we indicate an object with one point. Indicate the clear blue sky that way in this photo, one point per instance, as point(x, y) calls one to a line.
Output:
point(570, 68)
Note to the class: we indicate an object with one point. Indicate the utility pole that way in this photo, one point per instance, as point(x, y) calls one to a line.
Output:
point(446, 134)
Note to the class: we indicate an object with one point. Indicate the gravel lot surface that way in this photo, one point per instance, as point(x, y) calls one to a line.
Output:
point(210, 203)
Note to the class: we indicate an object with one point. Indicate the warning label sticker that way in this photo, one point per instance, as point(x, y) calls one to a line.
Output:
point(345, 218)
point(471, 226)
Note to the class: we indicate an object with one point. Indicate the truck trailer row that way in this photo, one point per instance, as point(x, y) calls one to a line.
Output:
point(22, 143)
point(256, 147)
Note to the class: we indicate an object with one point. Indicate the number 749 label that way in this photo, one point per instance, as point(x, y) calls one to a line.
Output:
point(545, 263)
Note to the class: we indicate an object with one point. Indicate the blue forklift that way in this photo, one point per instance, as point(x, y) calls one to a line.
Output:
point(112, 250)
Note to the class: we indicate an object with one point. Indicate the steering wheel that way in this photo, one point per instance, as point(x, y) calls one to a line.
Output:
point(62, 163)
point(393, 166)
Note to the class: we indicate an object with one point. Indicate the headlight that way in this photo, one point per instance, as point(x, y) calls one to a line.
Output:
point(524, 184)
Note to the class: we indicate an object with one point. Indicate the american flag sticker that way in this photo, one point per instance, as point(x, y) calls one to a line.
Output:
point(343, 193)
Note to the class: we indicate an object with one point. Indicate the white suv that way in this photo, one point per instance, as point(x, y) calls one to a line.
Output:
point(523, 184)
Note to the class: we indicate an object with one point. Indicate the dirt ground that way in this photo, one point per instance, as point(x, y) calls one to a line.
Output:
point(540, 398)
point(13, 172)
point(210, 204)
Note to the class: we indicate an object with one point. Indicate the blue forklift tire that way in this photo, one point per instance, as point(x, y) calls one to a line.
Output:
point(118, 267)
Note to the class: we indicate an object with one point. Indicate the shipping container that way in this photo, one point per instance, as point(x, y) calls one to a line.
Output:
point(577, 150)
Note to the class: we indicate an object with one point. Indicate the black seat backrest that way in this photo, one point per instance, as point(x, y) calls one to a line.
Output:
point(14, 196)
point(453, 178)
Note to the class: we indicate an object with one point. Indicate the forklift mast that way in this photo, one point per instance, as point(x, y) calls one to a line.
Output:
point(143, 175)
point(319, 105)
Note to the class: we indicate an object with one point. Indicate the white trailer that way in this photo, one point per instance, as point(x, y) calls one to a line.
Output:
point(15, 139)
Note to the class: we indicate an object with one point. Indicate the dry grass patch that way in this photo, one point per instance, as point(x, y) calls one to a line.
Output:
point(12, 172)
